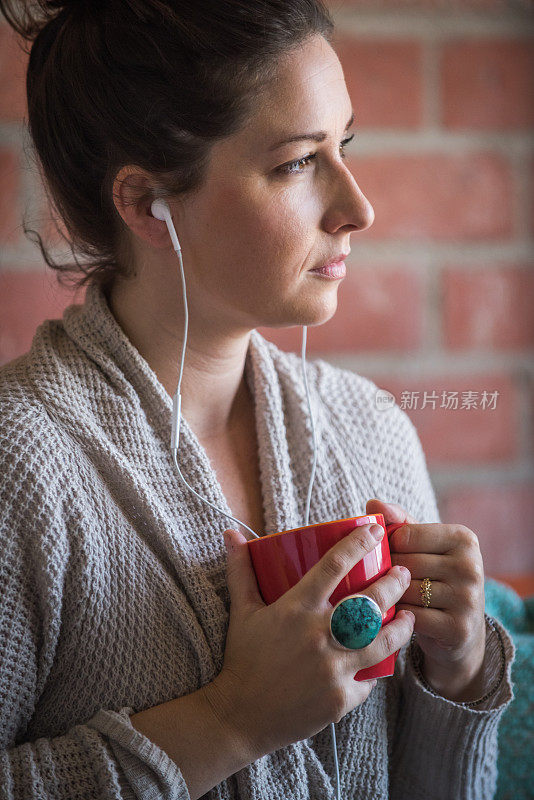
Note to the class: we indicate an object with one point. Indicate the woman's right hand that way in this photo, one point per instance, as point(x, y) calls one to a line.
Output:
point(283, 677)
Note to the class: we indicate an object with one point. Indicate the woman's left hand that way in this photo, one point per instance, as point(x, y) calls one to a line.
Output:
point(452, 631)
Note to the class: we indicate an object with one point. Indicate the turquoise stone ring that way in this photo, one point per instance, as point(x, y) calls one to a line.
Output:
point(355, 621)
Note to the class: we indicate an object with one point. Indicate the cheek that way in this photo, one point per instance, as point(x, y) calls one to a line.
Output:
point(249, 224)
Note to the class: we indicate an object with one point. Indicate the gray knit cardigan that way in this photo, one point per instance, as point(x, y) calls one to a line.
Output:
point(113, 595)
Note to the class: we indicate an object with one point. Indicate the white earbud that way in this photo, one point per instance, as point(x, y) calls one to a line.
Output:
point(160, 210)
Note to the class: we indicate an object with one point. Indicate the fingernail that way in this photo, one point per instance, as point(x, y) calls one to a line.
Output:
point(411, 616)
point(377, 531)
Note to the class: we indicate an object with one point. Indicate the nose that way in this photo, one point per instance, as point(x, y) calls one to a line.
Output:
point(349, 208)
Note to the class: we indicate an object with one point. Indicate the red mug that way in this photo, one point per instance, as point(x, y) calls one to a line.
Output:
point(281, 559)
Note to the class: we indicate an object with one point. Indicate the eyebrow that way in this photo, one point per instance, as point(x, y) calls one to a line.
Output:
point(318, 136)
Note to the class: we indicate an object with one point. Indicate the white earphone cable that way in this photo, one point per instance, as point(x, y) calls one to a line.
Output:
point(161, 211)
point(307, 522)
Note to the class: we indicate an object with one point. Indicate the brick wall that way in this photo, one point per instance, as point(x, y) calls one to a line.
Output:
point(438, 304)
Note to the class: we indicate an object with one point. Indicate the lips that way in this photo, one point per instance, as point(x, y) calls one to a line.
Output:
point(335, 260)
point(335, 270)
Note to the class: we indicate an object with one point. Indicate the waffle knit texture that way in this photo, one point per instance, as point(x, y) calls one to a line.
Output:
point(113, 594)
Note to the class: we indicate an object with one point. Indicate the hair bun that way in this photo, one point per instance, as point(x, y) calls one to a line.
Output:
point(30, 17)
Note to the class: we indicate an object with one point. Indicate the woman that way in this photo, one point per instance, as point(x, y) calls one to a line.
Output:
point(138, 659)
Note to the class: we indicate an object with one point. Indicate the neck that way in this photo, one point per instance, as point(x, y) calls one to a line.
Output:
point(213, 389)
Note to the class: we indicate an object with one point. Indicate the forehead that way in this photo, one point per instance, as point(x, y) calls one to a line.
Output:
point(307, 93)
point(308, 89)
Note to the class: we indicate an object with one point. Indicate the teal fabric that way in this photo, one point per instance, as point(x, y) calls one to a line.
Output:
point(516, 728)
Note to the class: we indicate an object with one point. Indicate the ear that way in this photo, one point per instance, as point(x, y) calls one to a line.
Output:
point(131, 184)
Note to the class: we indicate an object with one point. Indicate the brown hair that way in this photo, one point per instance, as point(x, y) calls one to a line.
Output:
point(152, 83)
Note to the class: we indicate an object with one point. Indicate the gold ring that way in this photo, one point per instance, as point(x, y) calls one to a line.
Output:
point(426, 591)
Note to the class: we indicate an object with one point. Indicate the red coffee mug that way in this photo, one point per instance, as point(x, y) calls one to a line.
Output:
point(281, 559)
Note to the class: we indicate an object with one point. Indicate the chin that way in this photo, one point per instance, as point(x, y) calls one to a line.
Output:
point(316, 313)
point(323, 309)
point(310, 309)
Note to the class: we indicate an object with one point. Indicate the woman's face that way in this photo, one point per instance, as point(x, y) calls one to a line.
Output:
point(259, 224)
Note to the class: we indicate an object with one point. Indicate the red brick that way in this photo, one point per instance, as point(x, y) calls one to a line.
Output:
point(13, 65)
point(377, 74)
point(502, 517)
point(523, 584)
point(10, 206)
point(529, 389)
point(366, 318)
point(488, 307)
point(488, 84)
point(469, 435)
point(437, 196)
point(26, 299)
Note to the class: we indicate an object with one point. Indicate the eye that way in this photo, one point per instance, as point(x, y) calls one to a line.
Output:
point(293, 167)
